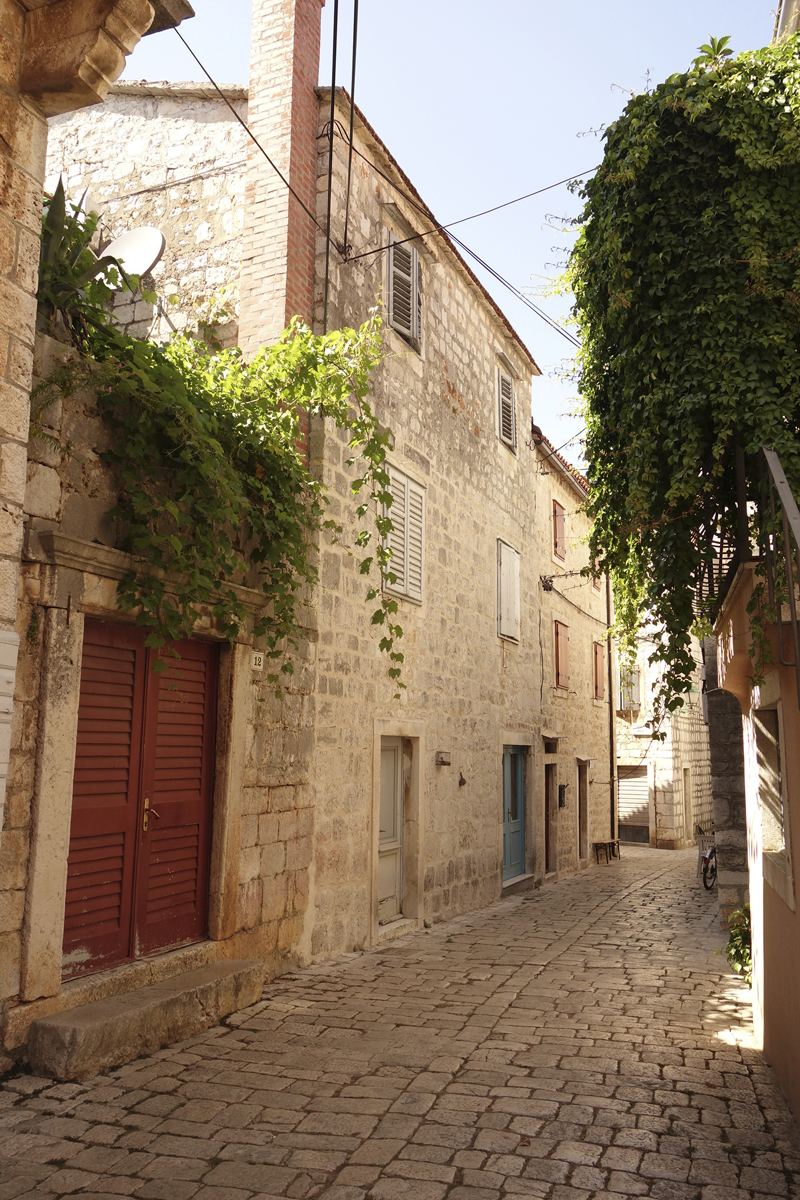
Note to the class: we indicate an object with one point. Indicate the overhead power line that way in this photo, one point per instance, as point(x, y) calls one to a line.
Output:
point(248, 131)
point(330, 167)
point(474, 216)
point(352, 116)
point(526, 300)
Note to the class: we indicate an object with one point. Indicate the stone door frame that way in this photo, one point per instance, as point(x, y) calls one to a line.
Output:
point(413, 823)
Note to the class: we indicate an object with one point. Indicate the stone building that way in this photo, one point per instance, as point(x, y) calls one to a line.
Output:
point(55, 58)
point(664, 786)
point(340, 816)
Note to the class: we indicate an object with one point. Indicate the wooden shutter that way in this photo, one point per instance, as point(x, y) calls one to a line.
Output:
point(404, 291)
point(630, 698)
point(415, 540)
point(599, 672)
point(407, 538)
point(559, 531)
point(105, 793)
point(397, 539)
point(177, 780)
point(562, 654)
point(507, 409)
point(508, 605)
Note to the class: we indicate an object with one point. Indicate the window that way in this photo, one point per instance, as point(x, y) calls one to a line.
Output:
point(407, 537)
point(507, 592)
point(559, 533)
point(599, 670)
point(629, 693)
point(562, 655)
point(596, 580)
point(507, 413)
point(405, 298)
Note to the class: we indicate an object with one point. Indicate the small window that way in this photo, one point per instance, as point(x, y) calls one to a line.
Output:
point(599, 671)
point(405, 295)
point(507, 410)
point(559, 531)
point(562, 655)
point(629, 690)
point(507, 592)
point(597, 581)
point(407, 537)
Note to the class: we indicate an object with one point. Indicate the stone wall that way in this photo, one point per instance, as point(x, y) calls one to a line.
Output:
point(686, 745)
point(172, 156)
point(22, 156)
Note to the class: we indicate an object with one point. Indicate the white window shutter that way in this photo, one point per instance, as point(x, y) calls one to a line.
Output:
point(397, 540)
point(404, 290)
point(508, 604)
point(507, 409)
point(415, 540)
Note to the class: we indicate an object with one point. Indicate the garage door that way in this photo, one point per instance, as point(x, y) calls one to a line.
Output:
point(634, 804)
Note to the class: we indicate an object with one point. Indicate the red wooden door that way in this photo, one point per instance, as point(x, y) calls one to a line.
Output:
point(177, 780)
point(141, 736)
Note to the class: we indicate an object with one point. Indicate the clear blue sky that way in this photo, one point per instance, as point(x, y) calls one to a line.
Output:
point(482, 103)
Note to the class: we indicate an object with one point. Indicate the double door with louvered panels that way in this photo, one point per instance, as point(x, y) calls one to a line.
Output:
point(137, 875)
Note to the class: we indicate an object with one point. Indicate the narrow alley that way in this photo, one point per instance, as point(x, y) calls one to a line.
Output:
point(581, 1040)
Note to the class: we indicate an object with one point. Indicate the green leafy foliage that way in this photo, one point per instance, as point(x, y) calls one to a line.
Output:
point(216, 494)
point(74, 284)
point(686, 275)
point(739, 948)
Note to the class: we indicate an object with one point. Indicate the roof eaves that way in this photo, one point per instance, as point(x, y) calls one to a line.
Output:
point(579, 481)
point(341, 93)
point(187, 89)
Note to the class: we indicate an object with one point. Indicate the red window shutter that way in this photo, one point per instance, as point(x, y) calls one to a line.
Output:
point(599, 686)
point(559, 535)
point(562, 655)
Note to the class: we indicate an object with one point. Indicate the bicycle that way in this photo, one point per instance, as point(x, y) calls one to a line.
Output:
point(708, 859)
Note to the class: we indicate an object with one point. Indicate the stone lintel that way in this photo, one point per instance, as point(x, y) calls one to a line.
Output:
point(108, 1033)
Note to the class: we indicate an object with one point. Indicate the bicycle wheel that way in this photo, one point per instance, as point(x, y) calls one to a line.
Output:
point(710, 870)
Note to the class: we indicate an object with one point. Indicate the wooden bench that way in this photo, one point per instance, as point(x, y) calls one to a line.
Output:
point(611, 845)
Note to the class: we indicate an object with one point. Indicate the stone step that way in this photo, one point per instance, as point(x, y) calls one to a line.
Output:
point(108, 1033)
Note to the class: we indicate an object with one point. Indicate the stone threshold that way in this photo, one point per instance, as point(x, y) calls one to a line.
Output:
point(107, 1033)
point(387, 933)
point(520, 883)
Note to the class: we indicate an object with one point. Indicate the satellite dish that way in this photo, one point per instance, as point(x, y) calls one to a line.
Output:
point(138, 250)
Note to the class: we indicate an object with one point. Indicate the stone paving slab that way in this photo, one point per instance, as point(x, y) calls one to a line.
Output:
point(580, 1041)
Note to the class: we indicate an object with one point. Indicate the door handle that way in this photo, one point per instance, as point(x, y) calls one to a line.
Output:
point(148, 812)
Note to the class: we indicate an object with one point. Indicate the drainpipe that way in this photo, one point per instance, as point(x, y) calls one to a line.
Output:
point(611, 710)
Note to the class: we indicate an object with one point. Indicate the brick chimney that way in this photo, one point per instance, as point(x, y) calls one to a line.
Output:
point(277, 279)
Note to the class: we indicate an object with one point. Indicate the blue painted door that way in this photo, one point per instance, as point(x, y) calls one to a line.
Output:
point(513, 811)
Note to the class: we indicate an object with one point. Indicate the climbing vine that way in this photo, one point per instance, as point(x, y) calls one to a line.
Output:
point(686, 274)
point(216, 495)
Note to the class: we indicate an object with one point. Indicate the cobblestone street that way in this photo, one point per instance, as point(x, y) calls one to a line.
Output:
point(583, 1040)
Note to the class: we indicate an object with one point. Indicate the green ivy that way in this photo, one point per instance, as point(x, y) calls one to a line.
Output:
point(686, 275)
point(739, 948)
point(215, 491)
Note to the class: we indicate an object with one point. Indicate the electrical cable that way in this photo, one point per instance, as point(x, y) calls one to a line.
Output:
point(556, 449)
point(208, 173)
point(330, 167)
point(248, 131)
point(352, 116)
point(473, 216)
point(496, 274)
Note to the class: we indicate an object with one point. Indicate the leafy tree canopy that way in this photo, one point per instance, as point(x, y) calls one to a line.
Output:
point(686, 275)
